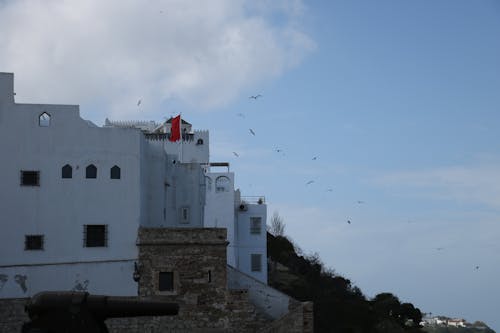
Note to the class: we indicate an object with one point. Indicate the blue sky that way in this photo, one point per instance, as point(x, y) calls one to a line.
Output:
point(398, 100)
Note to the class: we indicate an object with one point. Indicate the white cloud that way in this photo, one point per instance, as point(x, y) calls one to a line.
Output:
point(202, 53)
point(474, 184)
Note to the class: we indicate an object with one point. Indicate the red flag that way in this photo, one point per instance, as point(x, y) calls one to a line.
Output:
point(175, 129)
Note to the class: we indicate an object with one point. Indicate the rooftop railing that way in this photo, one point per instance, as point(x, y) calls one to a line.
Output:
point(255, 199)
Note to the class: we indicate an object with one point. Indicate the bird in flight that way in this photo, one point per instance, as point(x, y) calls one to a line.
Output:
point(439, 248)
point(477, 267)
point(251, 131)
point(278, 150)
point(255, 96)
point(348, 221)
point(330, 190)
point(240, 115)
point(139, 102)
point(236, 154)
point(310, 182)
point(360, 202)
point(315, 158)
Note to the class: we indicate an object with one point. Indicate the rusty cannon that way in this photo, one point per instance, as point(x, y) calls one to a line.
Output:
point(79, 312)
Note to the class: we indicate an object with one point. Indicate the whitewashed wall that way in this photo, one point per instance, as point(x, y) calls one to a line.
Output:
point(248, 243)
point(219, 210)
point(59, 208)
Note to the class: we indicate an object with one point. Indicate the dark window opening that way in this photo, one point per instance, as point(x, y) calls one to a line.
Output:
point(255, 225)
point(184, 215)
point(199, 142)
point(95, 235)
point(166, 281)
point(44, 120)
point(91, 171)
point(209, 276)
point(115, 172)
point(30, 178)
point(256, 263)
point(67, 171)
point(33, 242)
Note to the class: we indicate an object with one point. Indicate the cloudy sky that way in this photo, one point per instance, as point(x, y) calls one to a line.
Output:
point(398, 101)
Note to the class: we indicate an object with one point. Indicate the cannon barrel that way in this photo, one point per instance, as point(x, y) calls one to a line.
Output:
point(98, 306)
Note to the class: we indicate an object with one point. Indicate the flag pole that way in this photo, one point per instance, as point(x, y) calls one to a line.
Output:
point(180, 131)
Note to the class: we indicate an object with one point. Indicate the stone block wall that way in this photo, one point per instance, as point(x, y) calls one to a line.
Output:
point(12, 315)
point(195, 256)
point(298, 320)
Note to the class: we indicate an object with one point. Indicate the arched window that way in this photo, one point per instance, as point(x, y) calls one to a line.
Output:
point(67, 171)
point(115, 172)
point(91, 171)
point(199, 142)
point(208, 183)
point(222, 184)
point(44, 120)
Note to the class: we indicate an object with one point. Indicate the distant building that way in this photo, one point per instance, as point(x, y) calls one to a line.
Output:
point(456, 322)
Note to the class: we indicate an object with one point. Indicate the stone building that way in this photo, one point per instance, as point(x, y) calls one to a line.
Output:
point(89, 208)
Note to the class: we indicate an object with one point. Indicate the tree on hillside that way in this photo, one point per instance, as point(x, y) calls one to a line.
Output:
point(277, 227)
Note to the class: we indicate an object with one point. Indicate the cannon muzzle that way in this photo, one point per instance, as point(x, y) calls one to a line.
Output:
point(67, 311)
point(99, 305)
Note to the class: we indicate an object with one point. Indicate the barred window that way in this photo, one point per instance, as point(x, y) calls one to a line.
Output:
point(30, 178)
point(255, 225)
point(95, 235)
point(67, 171)
point(256, 262)
point(33, 242)
point(166, 281)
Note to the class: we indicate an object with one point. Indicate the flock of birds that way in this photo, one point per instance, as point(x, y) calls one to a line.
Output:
point(280, 150)
point(314, 158)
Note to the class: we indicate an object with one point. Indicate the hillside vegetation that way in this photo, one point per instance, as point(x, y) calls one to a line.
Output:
point(339, 306)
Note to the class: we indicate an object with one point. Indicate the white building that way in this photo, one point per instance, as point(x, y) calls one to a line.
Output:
point(73, 196)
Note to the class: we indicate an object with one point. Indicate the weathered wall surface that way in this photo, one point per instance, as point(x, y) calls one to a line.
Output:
point(269, 301)
point(298, 320)
point(197, 259)
point(12, 315)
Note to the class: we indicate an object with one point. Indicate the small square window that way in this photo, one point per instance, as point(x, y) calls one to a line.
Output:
point(256, 262)
point(33, 242)
point(95, 235)
point(166, 281)
point(255, 225)
point(30, 178)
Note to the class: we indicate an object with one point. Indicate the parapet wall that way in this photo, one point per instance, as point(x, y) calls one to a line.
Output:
point(273, 303)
